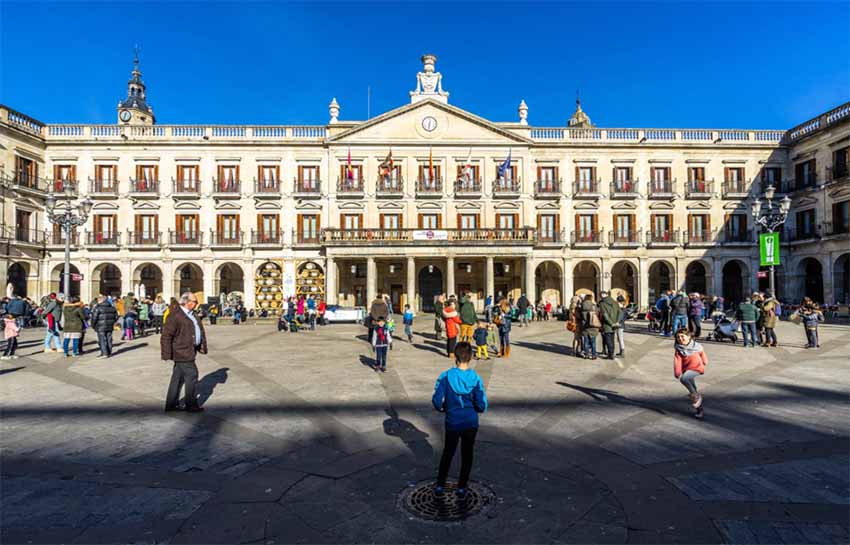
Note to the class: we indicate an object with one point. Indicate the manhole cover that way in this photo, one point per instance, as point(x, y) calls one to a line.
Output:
point(421, 501)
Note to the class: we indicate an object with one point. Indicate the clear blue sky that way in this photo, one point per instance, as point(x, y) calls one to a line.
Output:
point(669, 64)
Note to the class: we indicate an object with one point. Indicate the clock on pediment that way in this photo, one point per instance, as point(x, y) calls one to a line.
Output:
point(431, 124)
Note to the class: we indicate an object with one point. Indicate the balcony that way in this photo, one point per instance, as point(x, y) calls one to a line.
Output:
point(620, 239)
point(624, 189)
point(804, 182)
point(389, 188)
point(662, 189)
point(267, 239)
point(26, 237)
point(468, 188)
point(301, 239)
point(587, 189)
point(306, 189)
point(63, 186)
point(103, 189)
point(267, 189)
point(186, 189)
point(141, 240)
point(700, 239)
point(586, 239)
point(506, 188)
point(735, 189)
point(103, 241)
point(547, 189)
point(551, 238)
point(56, 240)
point(27, 183)
point(803, 233)
point(732, 238)
point(429, 187)
point(836, 230)
point(225, 239)
point(349, 188)
point(837, 174)
point(425, 237)
point(699, 189)
point(185, 240)
point(227, 189)
point(144, 189)
point(666, 238)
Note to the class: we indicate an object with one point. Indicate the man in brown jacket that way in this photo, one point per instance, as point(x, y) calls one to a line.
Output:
point(182, 338)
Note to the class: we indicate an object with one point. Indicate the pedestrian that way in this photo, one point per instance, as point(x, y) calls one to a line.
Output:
point(378, 310)
point(183, 337)
point(72, 327)
point(468, 318)
point(547, 311)
point(321, 309)
point(53, 314)
point(311, 312)
point(459, 393)
point(504, 316)
point(591, 325)
point(300, 307)
point(381, 340)
point(86, 321)
point(609, 313)
point(158, 309)
point(11, 330)
point(407, 319)
point(811, 317)
point(492, 337)
point(748, 315)
point(577, 321)
point(758, 301)
point(103, 319)
point(770, 308)
point(522, 305)
point(129, 324)
point(620, 330)
point(662, 304)
point(439, 323)
point(144, 317)
point(452, 321)
point(213, 314)
point(695, 312)
point(679, 311)
point(689, 361)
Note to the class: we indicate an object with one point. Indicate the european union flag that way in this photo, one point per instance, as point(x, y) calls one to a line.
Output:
point(505, 166)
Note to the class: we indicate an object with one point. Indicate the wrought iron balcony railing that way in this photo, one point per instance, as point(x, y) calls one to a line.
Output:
point(219, 239)
point(63, 186)
point(144, 239)
point(624, 238)
point(586, 188)
point(350, 186)
point(624, 189)
point(503, 186)
point(662, 237)
point(737, 237)
point(661, 189)
point(700, 238)
point(550, 237)
point(306, 238)
point(186, 188)
point(307, 187)
point(699, 189)
point(56, 239)
point(25, 235)
point(586, 238)
point(735, 189)
point(226, 187)
point(144, 188)
point(267, 238)
point(103, 188)
point(24, 180)
point(268, 187)
point(185, 239)
point(386, 186)
point(468, 187)
point(429, 186)
point(547, 188)
point(102, 239)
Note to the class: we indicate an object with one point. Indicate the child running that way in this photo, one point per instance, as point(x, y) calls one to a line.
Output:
point(460, 394)
point(688, 363)
point(381, 340)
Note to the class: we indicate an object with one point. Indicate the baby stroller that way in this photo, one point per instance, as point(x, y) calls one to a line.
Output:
point(726, 329)
point(654, 317)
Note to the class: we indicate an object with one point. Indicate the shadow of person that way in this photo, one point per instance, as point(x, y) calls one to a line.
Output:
point(415, 439)
point(371, 363)
point(207, 384)
point(599, 394)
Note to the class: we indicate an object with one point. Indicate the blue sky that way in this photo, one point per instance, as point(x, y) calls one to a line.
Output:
point(757, 65)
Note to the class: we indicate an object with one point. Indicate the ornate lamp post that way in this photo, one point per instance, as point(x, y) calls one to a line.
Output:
point(65, 218)
point(771, 217)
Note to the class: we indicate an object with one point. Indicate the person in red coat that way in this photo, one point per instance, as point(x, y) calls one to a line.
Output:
point(689, 362)
point(452, 328)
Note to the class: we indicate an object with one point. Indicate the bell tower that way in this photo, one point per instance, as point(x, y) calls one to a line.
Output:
point(134, 110)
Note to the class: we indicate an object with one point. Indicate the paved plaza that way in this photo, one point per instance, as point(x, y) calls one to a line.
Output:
point(301, 442)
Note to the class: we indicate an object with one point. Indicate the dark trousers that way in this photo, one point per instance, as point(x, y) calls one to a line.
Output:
point(451, 342)
point(157, 324)
point(770, 336)
point(694, 325)
point(104, 341)
point(812, 337)
point(381, 356)
point(608, 341)
point(665, 321)
point(185, 372)
point(11, 346)
point(749, 327)
point(466, 449)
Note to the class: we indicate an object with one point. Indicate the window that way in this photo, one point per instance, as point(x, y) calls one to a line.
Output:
point(624, 227)
point(430, 221)
point(586, 178)
point(391, 180)
point(228, 178)
point(622, 177)
point(507, 221)
point(150, 173)
point(308, 177)
point(268, 225)
point(547, 175)
point(26, 172)
point(425, 175)
point(268, 176)
point(804, 174)
point(390, 221)
point(473, 173)
point(187, 225)
point(662, 227)
point(771, 176)
point(146, 228)
point(64, 175)
point(547, 227)
point(696, 174)
point(840, 161)
point(105, 227)
point(805, 224)
point(308, 227)
point(356, 175)
point(585, 227)
point(660, 180)
point(351, 222)
point(841, 217)
point(105, 177)
point(187, 177)
point(734, 177)
point(736, 227)
point(699, 226)
point(227, 226)
point(510, 175)
point(467, 221)
point(22, 225)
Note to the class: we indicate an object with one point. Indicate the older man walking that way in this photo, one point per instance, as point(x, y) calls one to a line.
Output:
point(182, 339)
point(103, 319)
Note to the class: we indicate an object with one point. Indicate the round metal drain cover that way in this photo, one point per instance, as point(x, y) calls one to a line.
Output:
point(421, 501)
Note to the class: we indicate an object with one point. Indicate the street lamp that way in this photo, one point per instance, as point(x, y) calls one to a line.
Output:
point(771, 217)
point(68, 222)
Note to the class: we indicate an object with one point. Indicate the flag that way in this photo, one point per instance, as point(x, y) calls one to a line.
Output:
point(467, 167)
point(349, 174)
point(430, 166)
point(386, 167)
point(503, 168)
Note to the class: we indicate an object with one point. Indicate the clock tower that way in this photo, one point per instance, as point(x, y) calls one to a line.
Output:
point(134, 110)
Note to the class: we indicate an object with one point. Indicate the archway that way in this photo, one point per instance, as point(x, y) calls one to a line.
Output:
point(623, 281)
point(229, 278)
point(268, 282)
point(189, 277)
point(811, 272)
point(149, 276)
point(660, 280)
point(586, 278)
point(17, 276)
point(695, 278)
point(841, 279)
point(57, 282)
point(106, 280)
point(310, 280)
point(734, 278)
point(548, 281)
point(430, 286)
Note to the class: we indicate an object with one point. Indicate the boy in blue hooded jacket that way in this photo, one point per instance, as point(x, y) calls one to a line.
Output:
point(460, 394)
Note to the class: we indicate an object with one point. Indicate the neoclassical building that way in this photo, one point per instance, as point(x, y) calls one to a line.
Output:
point(422, 199)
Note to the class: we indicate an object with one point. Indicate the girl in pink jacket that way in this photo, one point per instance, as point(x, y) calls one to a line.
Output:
point(10, 331)
point(689, 362)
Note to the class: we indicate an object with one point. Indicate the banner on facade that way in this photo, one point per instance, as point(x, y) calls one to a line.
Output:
point(769, 248)
point(429, 234)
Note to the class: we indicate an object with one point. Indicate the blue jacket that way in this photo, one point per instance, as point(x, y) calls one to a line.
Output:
point(408, 317)
point(460, 394)
point(505, 323)
point(129, 320)
point(480, 336)
point(812, 319)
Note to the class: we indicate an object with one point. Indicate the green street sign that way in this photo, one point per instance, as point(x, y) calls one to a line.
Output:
point(769, 248)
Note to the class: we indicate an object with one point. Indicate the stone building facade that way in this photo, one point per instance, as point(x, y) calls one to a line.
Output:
point(425, 198)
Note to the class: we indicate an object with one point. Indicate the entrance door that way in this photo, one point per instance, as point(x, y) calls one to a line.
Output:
point(430, 286)
point(395, 296)
point(359, 296)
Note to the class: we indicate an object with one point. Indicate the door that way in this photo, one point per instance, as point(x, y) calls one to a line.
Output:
point(395, 295)
point(430, 286)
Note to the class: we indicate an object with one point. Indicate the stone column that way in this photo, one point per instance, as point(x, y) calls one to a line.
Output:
point(86, 292)
point(717, 277)
point(371, 281)
point(167, 279)
point(410, 268)
point(450, 275)
point(126, 278)
point(828, 286)
point(530, 288)
point(643, 285)
point(489, 279)
point(288, 278)
point(681, 266)
point(567, 282)
point(249, 284)
point(605, 267)
point(209, 280)
point(331, 282)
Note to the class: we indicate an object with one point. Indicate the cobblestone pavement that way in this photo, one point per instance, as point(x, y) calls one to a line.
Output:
point(302, 442)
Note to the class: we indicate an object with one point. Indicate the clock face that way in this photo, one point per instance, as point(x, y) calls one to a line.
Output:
point(124, 115)
point(429, 123)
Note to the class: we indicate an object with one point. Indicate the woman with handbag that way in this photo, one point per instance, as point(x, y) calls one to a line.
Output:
point(574, 325)
point(592, 324)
